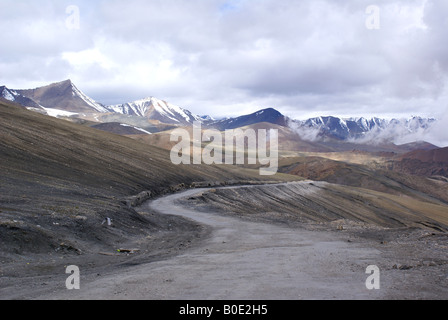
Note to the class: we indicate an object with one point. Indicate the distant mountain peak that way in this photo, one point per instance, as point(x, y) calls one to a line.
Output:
point(269, 110)
point(6, 93)
point(207, 118)
point(269, 115)
point(156, 109)
point(64, 82)
point(14, 96)
point(65, 96)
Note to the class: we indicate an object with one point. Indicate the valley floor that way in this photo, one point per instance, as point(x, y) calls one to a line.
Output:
point(224, 257)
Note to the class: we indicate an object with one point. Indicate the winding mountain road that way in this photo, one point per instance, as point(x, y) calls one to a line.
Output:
point(244, 260)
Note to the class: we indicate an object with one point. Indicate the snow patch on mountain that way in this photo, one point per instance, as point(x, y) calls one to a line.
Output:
point(136, 128)
point(137, 108)
point(95, 105)
point(58, 113)
point(8, 94)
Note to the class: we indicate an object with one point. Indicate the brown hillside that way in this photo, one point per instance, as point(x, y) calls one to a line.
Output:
point(422, 162)
point(365, 176)
point(60, 181)
point(435, 155)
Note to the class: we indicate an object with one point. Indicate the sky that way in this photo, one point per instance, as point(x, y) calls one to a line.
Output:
point(351, 58)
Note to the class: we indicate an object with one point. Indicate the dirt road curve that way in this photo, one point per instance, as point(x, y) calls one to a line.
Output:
point(244, 260)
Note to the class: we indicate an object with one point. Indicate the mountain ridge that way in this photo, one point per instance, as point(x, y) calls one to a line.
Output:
point(351, 129)
point(63, 96)
point(64, 99)
point(14, 96)
point(269, 115)
point(156, 109)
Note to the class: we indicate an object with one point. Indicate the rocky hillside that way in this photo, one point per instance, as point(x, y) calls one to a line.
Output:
point(61, 181)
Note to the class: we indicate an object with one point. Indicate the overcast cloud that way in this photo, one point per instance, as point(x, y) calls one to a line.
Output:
point(230, 57)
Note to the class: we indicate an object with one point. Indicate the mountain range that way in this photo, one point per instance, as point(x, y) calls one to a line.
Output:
point(363, 129)
point(152, 115)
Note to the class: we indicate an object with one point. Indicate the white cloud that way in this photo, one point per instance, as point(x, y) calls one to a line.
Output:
point(224, 57)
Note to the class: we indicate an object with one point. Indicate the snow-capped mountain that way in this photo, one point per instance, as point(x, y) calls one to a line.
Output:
point(63, 96)
point(362, 129)
point(65, 99)
point(8, 94)
point(207, 119)
point(342, 128)
point(76, 93)
point(156, 109)
point(14, 96)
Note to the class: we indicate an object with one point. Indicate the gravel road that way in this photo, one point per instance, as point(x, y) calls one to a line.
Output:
point(244, 260)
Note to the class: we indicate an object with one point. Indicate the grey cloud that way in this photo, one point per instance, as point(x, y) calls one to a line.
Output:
point(236, 55)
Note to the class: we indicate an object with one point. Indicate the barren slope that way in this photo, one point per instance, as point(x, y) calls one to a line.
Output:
point(321, 202)
point(368, 175)
point(60, 181)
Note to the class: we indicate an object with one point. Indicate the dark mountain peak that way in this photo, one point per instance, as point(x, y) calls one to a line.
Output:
point(270, 111)
point(269, 115)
